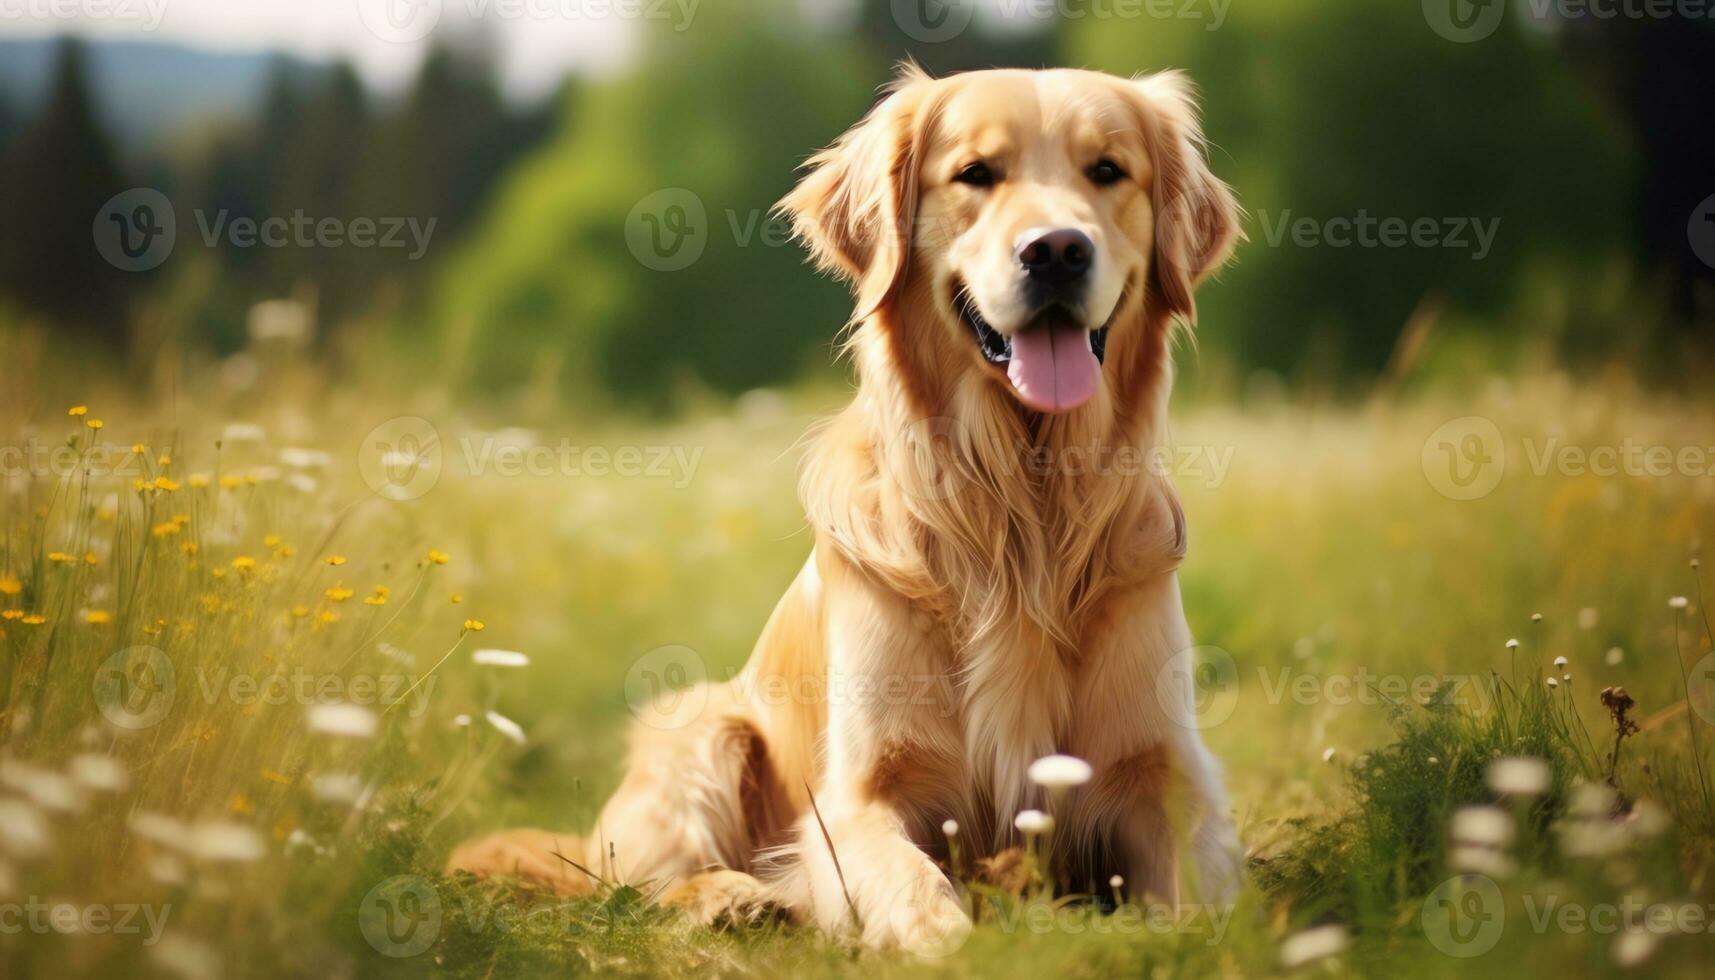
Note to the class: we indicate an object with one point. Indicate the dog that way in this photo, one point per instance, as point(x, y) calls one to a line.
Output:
point(1023, 248)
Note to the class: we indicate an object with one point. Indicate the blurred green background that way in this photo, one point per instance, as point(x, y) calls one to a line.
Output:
point(1585, 146)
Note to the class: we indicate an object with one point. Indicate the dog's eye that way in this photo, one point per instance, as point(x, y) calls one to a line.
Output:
point(976, 175)
point(1106, 172)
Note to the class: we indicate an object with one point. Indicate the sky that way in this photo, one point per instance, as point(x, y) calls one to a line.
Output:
point(538, 40)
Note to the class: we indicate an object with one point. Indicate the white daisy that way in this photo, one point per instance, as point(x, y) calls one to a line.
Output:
point(506, 726)
point(1059, 772)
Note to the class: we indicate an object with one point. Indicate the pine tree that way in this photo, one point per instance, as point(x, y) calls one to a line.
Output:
point(60, 170)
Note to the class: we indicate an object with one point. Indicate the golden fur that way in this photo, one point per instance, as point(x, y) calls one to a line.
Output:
point(983, 590)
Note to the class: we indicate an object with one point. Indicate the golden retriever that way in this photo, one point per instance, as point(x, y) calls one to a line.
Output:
point(986, 586)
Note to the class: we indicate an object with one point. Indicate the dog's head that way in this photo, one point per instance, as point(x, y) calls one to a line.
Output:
point(1022, 225)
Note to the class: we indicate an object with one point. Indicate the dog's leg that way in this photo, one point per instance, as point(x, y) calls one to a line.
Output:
point(1158, 788)
point(700, 796)
point(893, 771)
point(722, 898)
point(538, 859)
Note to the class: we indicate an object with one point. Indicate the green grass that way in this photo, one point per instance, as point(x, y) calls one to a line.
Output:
point(1323, 562)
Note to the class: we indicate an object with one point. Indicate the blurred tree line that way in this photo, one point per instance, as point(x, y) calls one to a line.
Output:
point(1585, 145)
point(319, 145)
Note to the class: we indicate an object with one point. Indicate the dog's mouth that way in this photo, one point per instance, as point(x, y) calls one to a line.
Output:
point(1054, 363)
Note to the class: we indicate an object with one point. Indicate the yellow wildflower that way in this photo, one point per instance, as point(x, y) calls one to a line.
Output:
point(244, 563)
point(438, 557)
point(473, 625)
point(455, 598)
point(336, 559)
point(271, 541)
point(164, 460)
point(59, 556)
point(164, 529)
point(328, 616)
point(92, 423)
point(139, 448)
point(98, 617)
point(240, 804)
point(78, 411)
point(164, 483)
point(375, 600)
point(33, 619)
point(10, 586)
point(11, 614)
point(90, 559)
point(338, 593)
point(198, 480)
point(231, 482)
point(300, 611)
point(276, 777)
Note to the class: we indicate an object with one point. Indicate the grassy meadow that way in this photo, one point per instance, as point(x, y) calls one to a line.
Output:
point(241, 695)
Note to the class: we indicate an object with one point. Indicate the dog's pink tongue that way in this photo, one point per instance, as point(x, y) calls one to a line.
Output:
point(1053, 367)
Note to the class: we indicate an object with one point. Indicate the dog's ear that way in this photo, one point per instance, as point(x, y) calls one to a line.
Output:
point(856, 205)
point(1196, 215)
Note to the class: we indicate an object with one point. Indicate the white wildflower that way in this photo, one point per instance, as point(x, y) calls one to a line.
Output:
point(506, 726)
point(1614, 656)
point(1587, 618)
point(223, 840)
point(1059, 772)
point(1633, 947)
point(99, 772)
point(243, 432)
point(1519, 775)
point(1033, 822)
point(499, 658)
point(1312, 945)
point(343, 720)
point(305, 459)
point(186, 957)
point(1512, 644)
point(23, 831)
point(1559, 661)
point(950, 828)
point(338, 788)
point(1486, 826)
point(158, 828)
point(1678, 602)
point(1329, 753)
point(50, 790)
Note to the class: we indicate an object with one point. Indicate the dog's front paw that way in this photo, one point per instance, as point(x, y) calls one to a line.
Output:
point(535, 859)
point(722, 898)
point(925, 918)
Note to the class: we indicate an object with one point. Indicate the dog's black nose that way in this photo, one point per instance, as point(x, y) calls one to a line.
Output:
point(1056, 256)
